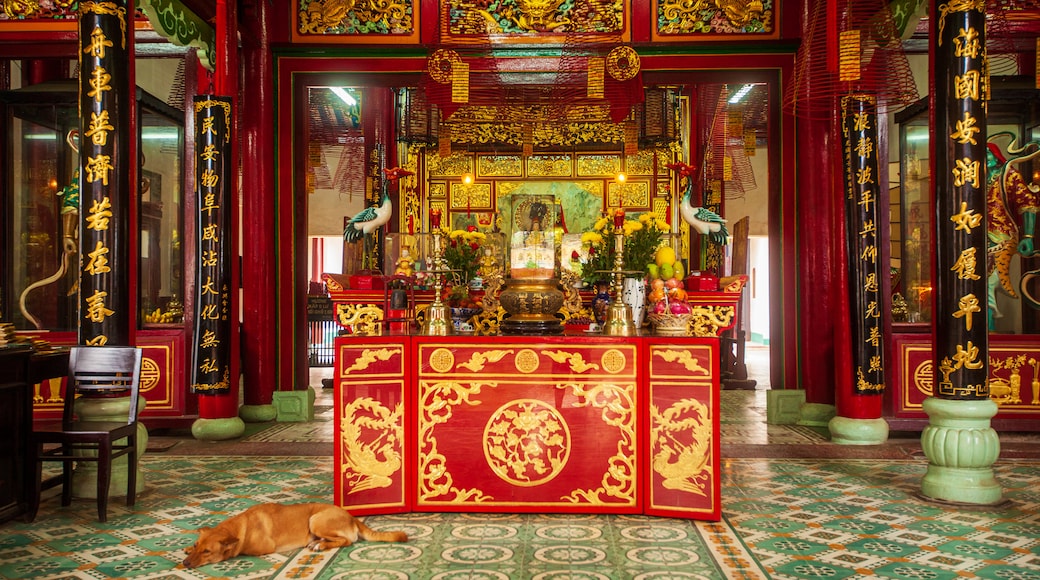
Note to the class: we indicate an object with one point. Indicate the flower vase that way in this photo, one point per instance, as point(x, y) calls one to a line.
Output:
point(600, 302)
point(633, 292)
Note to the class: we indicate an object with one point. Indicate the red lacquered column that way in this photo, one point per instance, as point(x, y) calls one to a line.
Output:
point(258, 268)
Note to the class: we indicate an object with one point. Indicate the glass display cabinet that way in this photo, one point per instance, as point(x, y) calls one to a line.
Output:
point(1013, 141)
point(40, 204)
point(912, 261)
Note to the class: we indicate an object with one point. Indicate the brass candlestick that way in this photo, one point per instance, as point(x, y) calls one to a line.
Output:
point(619, 315)
point(438, 315)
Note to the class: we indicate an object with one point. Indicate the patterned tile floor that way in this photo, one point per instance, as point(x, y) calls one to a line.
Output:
point(795, 506)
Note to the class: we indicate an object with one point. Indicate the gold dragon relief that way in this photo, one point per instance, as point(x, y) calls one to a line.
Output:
point(360, 319)
point(680, 440)
point(355, 17)
point(710, 320)
point(371, 437)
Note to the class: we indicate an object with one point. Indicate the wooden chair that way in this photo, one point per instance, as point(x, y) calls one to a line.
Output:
point(99, 371)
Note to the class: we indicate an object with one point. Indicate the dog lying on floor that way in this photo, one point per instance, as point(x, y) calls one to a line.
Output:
point(267, 528)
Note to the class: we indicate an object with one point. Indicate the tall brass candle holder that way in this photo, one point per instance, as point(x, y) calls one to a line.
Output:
point(438, 315)
point(619, 315)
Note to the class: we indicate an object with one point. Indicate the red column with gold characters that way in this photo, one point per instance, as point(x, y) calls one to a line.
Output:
point(959, 442)
point(858, 400)
point(214, 311)
point(106, 311)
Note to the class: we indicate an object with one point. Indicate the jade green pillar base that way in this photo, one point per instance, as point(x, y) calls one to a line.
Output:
point(218, 429)
point(849, 431)
point(84, 477)
point(815, 414)
point(782, 406)
point(258, 413)
point(961, 448)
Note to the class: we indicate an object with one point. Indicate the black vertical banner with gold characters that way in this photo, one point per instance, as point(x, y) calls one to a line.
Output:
point(213, 319)
point(860, 141)
point(961, 92)
point(104, 105)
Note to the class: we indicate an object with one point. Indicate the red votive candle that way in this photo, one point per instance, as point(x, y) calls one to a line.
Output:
point(619, 217)
point(435, 219)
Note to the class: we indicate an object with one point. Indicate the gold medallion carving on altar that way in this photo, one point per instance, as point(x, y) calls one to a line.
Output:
point(526, 361)
point(526, 442)
point(441, 360)
point(613, 361)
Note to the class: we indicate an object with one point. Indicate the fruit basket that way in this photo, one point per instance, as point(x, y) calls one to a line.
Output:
point(671, 324)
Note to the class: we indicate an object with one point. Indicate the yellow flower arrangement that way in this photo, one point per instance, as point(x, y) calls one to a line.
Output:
point(642, 238)
point(463, 252)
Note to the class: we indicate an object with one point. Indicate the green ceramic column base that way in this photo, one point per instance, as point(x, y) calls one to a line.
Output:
point(961, 448)
point(257, 413)
point(84, 477)
point(782, 406)
point(815, 414)
point(849, 431)
point(218, 429)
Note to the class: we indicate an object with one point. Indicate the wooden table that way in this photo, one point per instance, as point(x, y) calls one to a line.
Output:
point(20, 369)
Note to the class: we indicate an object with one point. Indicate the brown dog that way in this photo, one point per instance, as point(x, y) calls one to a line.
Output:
point(267, 528)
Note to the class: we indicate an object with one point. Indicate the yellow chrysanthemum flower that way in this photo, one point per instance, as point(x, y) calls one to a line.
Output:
point(600, 224)
point(663, 226)
point(631, 226)
point(591, 238)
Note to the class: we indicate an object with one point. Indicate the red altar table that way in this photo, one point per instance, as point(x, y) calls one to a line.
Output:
point(589, 424)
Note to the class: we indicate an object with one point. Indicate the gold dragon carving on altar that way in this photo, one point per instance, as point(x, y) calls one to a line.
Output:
point(370, 464)
point(360, 319)
point(709, 320)
point(681, 445)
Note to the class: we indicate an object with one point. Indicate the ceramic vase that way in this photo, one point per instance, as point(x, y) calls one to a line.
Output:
point(633, 292)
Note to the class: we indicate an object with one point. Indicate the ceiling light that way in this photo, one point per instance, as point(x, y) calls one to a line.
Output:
point(740, 94)
point(344, 95)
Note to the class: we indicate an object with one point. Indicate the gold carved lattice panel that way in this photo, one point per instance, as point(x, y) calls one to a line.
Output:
point(474, 196)
point(438, 191)
point(606, 165)
point(632, 195)
point(549, 166)
point(642, 163)
point(499, 166)
point(454, 165)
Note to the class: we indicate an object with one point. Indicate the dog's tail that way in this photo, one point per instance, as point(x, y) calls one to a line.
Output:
point(374, 536)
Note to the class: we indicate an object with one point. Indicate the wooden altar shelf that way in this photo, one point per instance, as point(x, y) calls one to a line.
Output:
point(587, 424)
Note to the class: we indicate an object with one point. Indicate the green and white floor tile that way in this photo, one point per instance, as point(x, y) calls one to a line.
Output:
point(831, 513)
